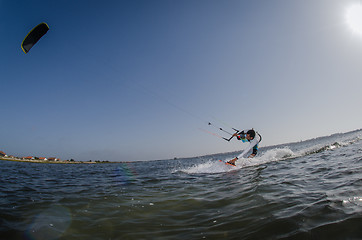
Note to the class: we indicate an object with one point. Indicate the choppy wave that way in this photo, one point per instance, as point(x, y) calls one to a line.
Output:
point(318, 148)
point(305, 190)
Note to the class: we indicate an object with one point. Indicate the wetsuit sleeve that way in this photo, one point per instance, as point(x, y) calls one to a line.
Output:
point(252, 144)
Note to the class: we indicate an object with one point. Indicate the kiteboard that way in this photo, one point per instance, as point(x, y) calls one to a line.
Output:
point(227, 163)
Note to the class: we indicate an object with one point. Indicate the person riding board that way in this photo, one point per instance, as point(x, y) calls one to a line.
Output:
point(253, 138)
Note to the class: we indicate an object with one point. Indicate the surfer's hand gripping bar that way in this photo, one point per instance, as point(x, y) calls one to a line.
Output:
point(233, 135)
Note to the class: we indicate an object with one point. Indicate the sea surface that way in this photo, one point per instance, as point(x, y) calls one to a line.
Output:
point(304, 190)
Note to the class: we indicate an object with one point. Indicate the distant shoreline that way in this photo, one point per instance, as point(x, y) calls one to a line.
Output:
point(45, 161)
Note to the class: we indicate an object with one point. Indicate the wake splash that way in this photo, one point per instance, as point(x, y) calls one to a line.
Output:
point(215, 166)
point(272, 155)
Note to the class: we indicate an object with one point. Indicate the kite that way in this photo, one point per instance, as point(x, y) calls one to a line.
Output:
point(33, 36)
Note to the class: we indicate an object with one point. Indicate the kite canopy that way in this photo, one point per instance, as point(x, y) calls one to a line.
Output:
point(33, 36)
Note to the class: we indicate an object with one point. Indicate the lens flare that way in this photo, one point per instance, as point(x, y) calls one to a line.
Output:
point(354, 18)
point(124, 173)
point(50, 223)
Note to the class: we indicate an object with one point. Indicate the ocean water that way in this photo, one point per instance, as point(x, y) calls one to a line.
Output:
point(305, 190)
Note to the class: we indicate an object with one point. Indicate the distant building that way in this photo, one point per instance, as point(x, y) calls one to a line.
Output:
point(28, 158)
point(53, 159)
point(43, 158)
point(2, 154)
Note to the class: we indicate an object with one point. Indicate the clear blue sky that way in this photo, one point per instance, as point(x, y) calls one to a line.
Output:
point(138, 79)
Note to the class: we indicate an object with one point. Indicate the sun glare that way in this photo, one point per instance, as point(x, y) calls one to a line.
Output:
point(354, 18)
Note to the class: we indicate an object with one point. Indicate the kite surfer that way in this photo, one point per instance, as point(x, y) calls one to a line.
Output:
point(251, 136)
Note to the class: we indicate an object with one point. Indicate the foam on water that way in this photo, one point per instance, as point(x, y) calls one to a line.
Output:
point(211, 166)
point(272, 155)
point(214, 166)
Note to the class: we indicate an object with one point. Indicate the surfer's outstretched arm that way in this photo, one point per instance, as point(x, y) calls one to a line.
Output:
point(252, 144)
